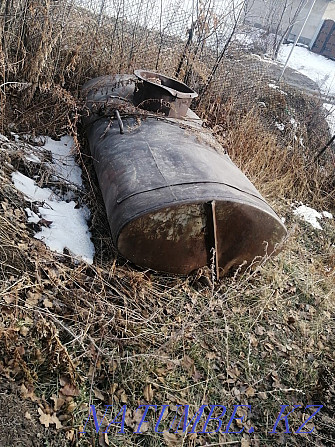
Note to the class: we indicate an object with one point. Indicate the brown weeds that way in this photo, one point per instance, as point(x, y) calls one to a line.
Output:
point(72, 335)
point(281, 166)
point(113, 334)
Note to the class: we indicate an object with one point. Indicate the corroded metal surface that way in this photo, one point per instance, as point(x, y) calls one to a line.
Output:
point(158, 93)
point(160, 179)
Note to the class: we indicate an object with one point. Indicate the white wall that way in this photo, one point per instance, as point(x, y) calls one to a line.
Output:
point(330, 11)
point(269, 14)
point(314, 22)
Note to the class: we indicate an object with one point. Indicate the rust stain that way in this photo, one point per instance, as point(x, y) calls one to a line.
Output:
point(170, 197)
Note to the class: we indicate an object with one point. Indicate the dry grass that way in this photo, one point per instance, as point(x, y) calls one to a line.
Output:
point(118, 335)
point(281, 164)
point(73, 334)
point(286, 172)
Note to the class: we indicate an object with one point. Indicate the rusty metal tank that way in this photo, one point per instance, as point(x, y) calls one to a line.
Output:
point(158, 93)
point(174, 199)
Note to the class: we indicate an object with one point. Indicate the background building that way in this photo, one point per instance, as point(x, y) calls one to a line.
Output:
point(286, 17)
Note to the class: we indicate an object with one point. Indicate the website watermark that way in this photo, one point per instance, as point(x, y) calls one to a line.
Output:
point(183, 421)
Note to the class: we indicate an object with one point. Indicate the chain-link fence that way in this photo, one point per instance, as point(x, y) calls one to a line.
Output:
point(201, 42)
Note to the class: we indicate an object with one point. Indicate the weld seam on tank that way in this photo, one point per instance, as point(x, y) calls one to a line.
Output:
point(170, 204)
point(122, 199)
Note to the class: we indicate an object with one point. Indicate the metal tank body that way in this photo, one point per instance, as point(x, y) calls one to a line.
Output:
point(174, 200)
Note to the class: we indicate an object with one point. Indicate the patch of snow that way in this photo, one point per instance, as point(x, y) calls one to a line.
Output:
point(64, 164)
point(316, 67)
point(280, 126)
point(68, 230)
point(327, 214)
point(265, 58)
point(16, 136)
point(245, 39)
point(65, 222)
point(3, 139)
point(311, 216)
point(32, 217)
point(330, 117)
point(33, 158)
point(30, 190)
point(294, 123)
point(276, 87)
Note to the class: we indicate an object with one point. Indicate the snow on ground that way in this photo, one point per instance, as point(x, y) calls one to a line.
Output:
point(311, 216)
point(248, 38)
point(32, 157)
point(276, 87)
point(64, 224)
point(316, 67)
point(64, 164)
point(280, 126)
point(330, 117)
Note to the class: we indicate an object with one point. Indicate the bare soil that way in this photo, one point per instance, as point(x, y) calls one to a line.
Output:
point(19, 421)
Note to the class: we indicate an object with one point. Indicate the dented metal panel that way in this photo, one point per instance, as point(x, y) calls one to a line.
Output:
point(158, 93)
point(171, 193)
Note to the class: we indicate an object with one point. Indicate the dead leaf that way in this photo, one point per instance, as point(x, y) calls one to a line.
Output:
point(47, 419)
point(47, 303)
point(236, 392)
point(171, 439)
point(63, 380)
point(20, 350)
point(187, 363)
point(24, 331)
point(148, 393)
point(27, 415)
point(137, 418)
point(233, 372)
point(98, 394)
point(250, 392)
point(123, 398)
point(58, 402)
point(71, 406)
point(9, 299)
point(91, 370)
point(103, 440)
point(32, 299)
point(245, 442)
point(45, 223)
point(211, 355)
point(69, 390)
point(253, 340)
point(112, 366)
point(64, 417)
point(259, 330)
point(197, 376)
point(113, 388)
point(70, 435)
point(129, 421)
point(28, 394)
